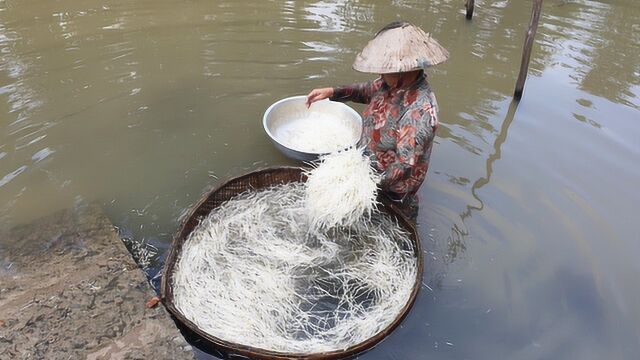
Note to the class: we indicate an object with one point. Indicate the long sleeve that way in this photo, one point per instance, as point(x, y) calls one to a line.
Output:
point(414, 138)
point(359, 93)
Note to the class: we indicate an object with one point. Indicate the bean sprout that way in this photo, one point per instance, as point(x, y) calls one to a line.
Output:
point(252, 273)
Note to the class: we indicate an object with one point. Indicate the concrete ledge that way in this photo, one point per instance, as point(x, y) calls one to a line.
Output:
point(69, 289)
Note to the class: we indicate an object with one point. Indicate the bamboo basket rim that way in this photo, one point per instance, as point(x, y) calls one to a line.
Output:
point(166, 290)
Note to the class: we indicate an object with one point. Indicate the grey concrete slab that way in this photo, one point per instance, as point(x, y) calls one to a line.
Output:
point(69, 289)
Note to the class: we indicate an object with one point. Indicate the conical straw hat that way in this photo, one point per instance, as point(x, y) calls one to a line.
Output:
point(402, 47)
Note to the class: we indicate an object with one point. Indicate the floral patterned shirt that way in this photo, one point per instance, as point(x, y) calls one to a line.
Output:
point(398, 129)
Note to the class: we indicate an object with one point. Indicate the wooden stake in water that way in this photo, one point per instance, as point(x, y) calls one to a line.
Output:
point(528, 44)
point(469, 4)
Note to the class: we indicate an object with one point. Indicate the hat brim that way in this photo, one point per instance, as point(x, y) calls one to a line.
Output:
point(401, 49)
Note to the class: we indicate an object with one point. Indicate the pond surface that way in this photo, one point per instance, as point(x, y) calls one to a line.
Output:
point(528, 217)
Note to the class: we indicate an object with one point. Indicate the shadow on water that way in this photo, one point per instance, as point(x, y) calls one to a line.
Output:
point(456, 243)
point(493, 157)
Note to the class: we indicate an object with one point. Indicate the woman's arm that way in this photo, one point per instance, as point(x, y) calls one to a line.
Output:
point(360, 93)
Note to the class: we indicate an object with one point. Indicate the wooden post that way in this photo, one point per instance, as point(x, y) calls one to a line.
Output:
point(528, 44)
point(469, 5)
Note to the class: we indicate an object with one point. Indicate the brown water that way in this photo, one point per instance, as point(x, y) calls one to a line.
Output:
point(529, 215)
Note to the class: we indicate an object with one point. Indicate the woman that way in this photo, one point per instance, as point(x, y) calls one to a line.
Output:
point(400, 120)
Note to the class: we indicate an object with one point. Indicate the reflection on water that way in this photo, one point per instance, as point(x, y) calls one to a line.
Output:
point(527, 218)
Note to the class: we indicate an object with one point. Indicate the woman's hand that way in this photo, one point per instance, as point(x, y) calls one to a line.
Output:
point(318, 94)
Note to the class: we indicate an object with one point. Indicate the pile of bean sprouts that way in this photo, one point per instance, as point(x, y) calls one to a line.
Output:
point(319, 133)
point(341, 189)
point(252, 273)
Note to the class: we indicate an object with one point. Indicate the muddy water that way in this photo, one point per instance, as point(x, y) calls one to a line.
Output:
point(529, 215)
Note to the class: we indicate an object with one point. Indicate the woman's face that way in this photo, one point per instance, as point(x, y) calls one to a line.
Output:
point(392, 80)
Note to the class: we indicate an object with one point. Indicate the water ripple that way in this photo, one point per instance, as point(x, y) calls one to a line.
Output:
point(12, 175)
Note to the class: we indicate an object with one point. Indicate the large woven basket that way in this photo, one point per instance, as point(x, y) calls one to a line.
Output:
point(257, 180)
